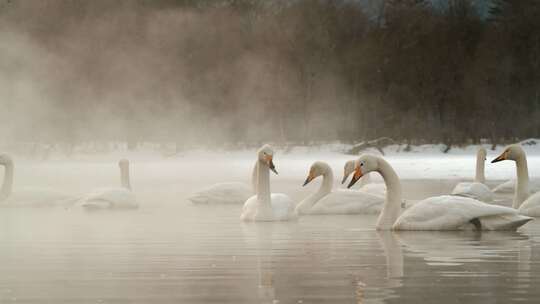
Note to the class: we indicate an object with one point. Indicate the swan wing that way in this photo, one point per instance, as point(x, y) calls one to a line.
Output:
point(120, 198)
point(348, 202)
point(531, 206)
point(378, 189)
point(455, 213)
point(282, 207)
point(222, 193)
point(477, 191)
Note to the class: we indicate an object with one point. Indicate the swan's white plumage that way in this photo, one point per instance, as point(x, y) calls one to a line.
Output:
point(110, 198)
point(264, 205)
point(115, 197)
point(456, 213)
point(378, 189)
point(329, 201)
point(445, 212)
point(282, 209)
point(510, 186)
point(474, 190)
point(222, 193)
point(531, 206)
point(348, 202)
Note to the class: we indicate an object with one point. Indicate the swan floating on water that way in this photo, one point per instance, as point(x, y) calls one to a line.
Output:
point(526, 203)
point(264, 205)
point(113, 198)
point(435, 213)
point(225, 193)
point(365, 183)
point(477, 189)
point(28, 197)
point(342, 201)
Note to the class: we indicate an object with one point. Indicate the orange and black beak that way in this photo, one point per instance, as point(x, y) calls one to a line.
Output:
point(357, 175)
point(270, 164)
point(503, 156)
point(308, 179)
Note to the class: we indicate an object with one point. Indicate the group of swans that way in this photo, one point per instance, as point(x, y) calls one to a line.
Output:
point(445, 212)
point(110, 198)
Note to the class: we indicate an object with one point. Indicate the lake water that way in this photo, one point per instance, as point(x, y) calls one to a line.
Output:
point(170, 251)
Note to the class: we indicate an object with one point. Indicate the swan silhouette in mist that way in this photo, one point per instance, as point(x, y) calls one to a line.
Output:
point(29, 197)
point(113, 198)
point(435, 213)
point(365, 183)
point(526, 203)
point(476, 189)
point(225, 193)
point(264, 205)
point(341, 201)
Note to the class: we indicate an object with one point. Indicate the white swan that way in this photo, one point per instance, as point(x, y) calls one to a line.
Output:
point(510, 186)
point(264, 205)
point(26, 197)
point(113, 198)
point(225, 193)
point(526, 204)
point(477, 189)
point(435, 213)
point(326, 201)
point(365, 183)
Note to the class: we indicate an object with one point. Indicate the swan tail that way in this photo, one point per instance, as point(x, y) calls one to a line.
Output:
point(502, 222)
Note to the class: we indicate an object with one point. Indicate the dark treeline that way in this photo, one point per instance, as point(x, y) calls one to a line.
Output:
point(286, 71)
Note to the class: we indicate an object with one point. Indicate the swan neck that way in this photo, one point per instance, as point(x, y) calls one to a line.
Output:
point(263, 183)
point(124, 177)
point(522, 185)
point(480, 167)
point(324, 190)
point(7, 184)
point(392, 205)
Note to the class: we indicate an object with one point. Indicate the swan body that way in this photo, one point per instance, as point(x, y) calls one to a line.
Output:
point(378, 189)
point(510, 186)
point(526, 203)
point(222, 193)
point(113, 198)
point(445, 212)
point(328, 201)
point(477, 189)
point(28, 197)
point(264, 205)
point(225, 193)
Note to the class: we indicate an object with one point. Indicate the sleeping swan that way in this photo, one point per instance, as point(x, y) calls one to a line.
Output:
point(526, 204)
point(328, 201)
point(28, 197)
point(264, 205)
point(435, 213)
point(477, 189)
point(113, 198)
point(225, 193)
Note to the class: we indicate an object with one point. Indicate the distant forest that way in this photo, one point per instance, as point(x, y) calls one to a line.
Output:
point(296, 71)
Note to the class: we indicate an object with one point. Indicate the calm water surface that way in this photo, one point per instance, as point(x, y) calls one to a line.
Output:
point(170, 251)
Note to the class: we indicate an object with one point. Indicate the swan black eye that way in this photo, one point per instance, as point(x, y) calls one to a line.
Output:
point(361, 164)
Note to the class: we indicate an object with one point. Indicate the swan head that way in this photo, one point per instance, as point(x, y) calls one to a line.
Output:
point(317, 169)
point(123, 163)
point(512, 152)
point(5, 160)
point(365, 164)
point(266, 156)
point(348, 169)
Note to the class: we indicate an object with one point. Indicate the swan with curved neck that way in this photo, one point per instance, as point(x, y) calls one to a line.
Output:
point(435, 213)
point(328, 201)
point(526, 203)
point(113, 198)
point(365, 183)
point(264, 205)
point(477, 189)
point(25, 196)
